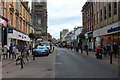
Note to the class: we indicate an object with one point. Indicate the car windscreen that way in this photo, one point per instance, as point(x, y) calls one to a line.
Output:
point(45, 43)
point(40, 47)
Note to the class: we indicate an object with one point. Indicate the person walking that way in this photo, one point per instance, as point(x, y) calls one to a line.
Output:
point(109, 49)
point(27, 50)
point(81, 48)
point(0, 50)
point(115, 49)
point(98, 51)
point(13, 55)
point(10, 50)
point(5, 52)
point(86, 48)
point(105, 51)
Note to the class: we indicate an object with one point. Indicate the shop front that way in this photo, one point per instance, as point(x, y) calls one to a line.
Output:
point(108, 35)
point(17, 38)
point(3, 30)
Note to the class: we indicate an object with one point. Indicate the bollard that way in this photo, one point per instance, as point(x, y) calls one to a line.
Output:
point(21, 61)
point(87, 51)
point(110, 57)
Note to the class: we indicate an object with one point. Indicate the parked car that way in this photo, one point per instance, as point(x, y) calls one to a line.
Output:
point(47, 44)
point(40, 51)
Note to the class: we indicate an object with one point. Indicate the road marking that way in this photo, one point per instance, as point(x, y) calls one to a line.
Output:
point(58, 63)
point(58, 54)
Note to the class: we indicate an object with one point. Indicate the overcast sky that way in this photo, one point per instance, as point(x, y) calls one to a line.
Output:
point(64, 14)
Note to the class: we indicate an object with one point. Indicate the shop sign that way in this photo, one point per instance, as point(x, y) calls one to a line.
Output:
point(3, 22)
point(10, 30)
point(113, 29)
point(86, 36)
point(23, 37)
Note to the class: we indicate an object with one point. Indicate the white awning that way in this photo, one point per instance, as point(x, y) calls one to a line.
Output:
point(19, 36)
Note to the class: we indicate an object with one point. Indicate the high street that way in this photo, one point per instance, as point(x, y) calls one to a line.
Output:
point(62, 63)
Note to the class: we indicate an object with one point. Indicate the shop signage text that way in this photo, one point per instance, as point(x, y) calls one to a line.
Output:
point(10, 30)
point(22, 36)
point(113, 29)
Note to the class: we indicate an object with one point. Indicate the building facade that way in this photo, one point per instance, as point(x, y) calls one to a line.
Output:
point(106, 23)
point(18, 27)
point(39, 18)
point(87, 17)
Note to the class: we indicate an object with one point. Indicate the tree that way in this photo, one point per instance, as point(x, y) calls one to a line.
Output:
point(32, 36)
point(81, 36)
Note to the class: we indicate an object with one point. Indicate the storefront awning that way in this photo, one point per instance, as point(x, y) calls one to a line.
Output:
point(18, 35)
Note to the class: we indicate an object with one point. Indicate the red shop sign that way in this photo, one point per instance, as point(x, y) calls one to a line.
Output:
point(3, 22)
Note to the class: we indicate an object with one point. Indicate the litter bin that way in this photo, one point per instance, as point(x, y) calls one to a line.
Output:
point(99, 54)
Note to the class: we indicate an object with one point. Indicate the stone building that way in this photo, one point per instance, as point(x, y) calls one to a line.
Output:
point(39, 18)
point(18, 18)
point(87, 17)
point(106, 23)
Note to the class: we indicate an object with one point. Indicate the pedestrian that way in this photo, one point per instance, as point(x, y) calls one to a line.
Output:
point(98, 52)
point(5, 52)
point(10, 50)
point(27, 50)
point(14, 55)
point(86, 48)
point(105, 51)
point(109, 49)
point(81, 48)
point(115, 49)
point(0, 50)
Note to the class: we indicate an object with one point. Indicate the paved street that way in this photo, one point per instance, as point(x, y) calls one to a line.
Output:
point(63, 63)
point(42, 67)
point(71, 64)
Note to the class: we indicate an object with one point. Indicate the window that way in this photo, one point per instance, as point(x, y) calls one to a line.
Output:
point(97, 17)
point(105, 13)
point(26, 15)
point(2, 8)
point(16, 22)
point(11, 19)
point(89, 25)
point(115, 8)
point(16, 5)
point(91, 10)
point(101, 15)
point(23, 12)
point(20, 8)
point(11, 1)
point(20, 24)
point(26, 28)
point(110, 9)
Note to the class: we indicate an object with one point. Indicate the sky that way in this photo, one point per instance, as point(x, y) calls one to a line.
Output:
point(63, 14)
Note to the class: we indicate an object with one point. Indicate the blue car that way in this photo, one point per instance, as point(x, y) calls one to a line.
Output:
point(40, 51)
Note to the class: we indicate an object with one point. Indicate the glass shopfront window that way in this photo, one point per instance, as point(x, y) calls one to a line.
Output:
point(110, 39)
